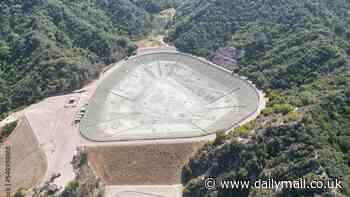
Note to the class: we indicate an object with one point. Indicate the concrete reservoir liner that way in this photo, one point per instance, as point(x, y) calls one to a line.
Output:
point(166, 95)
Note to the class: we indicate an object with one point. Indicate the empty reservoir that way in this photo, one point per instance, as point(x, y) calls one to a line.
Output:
point(166, 95)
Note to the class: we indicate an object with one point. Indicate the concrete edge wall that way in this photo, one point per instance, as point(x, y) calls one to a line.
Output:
point(259, 107)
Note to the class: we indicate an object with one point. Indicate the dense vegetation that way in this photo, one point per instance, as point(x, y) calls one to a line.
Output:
point(156, 6)
point(53, 46)
point(297, 51)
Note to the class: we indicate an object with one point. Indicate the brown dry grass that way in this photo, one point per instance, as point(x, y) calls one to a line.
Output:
point(28, 161)
point(154, 164)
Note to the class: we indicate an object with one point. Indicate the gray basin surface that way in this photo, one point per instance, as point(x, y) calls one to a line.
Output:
point(167, 95)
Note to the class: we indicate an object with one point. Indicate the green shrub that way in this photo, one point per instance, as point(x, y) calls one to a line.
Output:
point(292, 116)
point(83, 159)
point(19, 193)
point(7, 130)
point(347, 110)
point(4, 49)
point(71, 190)
point(282, 108)
point(306, 97)
point(243, 129)
point(267, 111)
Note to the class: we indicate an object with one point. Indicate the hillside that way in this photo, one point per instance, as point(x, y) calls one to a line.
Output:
point(297, 51)
point(53, 46)
point(156, 6)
